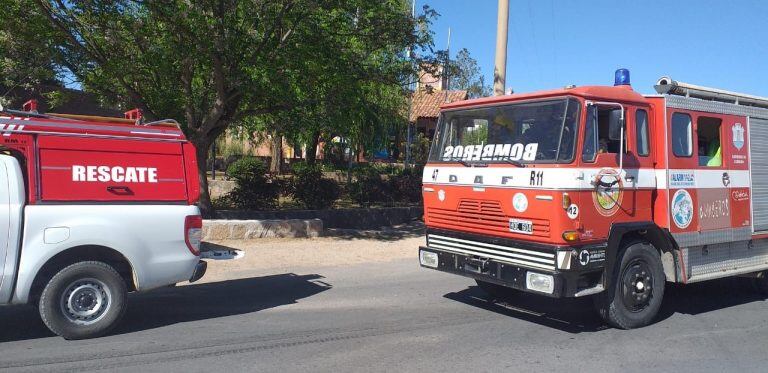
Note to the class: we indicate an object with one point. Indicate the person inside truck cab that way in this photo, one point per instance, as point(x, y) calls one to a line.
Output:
point(710, 151)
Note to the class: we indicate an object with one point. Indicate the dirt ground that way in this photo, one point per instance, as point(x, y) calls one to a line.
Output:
point(337, 248)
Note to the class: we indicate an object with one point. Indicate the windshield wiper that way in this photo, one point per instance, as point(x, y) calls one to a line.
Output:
point(471, 164)
point(514, 162)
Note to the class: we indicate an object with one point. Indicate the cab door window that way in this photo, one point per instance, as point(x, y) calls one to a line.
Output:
point(682, 137)
point(608, 136)
point(602, 133)
point(641, 133)
point(710, 151)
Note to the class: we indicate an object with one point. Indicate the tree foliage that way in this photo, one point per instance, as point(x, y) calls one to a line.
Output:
point(25, 39)
point(298, 68)
point(465, 74)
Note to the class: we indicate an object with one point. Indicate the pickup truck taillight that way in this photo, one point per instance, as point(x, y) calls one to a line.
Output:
point(193, 233)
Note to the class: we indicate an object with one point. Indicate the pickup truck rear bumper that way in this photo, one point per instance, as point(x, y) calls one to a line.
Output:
point(199, 272)
point(550, 270)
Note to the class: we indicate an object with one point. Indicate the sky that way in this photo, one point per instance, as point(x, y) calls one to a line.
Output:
point(554, 43)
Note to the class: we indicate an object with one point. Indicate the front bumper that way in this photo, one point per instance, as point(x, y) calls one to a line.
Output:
point(574, 270)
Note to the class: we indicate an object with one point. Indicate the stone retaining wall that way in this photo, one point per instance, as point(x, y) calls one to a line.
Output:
point(357, 218)
point(217, 229)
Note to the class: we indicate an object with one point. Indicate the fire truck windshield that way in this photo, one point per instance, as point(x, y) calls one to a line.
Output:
point(526, 132)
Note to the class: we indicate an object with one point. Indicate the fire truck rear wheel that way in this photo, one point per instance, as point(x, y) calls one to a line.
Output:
point(495, 290)
point(83, 300)
point(636, 290)
point(760, 283)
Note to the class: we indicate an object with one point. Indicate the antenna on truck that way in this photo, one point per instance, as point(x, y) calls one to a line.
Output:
point(666, 85)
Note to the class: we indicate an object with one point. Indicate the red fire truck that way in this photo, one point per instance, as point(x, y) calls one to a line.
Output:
point(600, 191)
point(90, 209)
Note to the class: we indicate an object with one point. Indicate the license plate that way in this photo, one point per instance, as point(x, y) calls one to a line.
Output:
point(521, 226)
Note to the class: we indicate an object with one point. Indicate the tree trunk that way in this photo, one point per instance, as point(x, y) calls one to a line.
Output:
point(206, 206)
point(276, 165)
point(312, 148)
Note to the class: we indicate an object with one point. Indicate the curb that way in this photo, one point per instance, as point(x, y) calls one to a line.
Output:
point(218, 229)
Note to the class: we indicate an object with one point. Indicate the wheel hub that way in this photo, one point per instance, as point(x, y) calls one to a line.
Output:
point(637, 289)
point(85, 301)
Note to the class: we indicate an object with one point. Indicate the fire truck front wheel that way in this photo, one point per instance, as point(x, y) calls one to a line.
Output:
point(637, 287)
point(83, 300)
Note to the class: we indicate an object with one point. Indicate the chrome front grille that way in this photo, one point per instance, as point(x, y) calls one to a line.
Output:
point(505, 254)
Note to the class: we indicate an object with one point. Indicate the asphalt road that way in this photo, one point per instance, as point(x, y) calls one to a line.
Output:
point(394, 316)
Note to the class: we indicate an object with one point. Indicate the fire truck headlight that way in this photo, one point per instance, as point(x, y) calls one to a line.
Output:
point(540, 282)
point(428, 259)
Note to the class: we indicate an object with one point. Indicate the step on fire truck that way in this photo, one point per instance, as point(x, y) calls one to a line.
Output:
point(600, 191)
point(90, 209)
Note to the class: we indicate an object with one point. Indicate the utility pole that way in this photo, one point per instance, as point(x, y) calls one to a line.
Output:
point(412, 88)
point(447, 67)
point(500, 68)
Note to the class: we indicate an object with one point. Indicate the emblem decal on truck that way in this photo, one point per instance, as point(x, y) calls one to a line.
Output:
point(520, 202)
point(682, 209)
point(116, 174)
point(608, 192)
point(738, 135)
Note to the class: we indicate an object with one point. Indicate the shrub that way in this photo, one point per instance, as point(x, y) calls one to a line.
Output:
point(406, 187)
point(310, 188)
point(255, 188)
point(368, 187)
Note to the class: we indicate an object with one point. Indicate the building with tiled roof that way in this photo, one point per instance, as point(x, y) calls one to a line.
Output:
point(425, 107)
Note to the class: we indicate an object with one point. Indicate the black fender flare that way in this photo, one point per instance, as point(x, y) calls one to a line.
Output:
point(659, 237)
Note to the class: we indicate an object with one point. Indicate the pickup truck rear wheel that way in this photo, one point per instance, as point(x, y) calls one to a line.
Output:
point(637, 288)
point(83, 300)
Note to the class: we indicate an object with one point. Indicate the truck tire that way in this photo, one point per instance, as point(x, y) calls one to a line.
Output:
point(637, 288)
point(83, 300)
point(496, 291)
point(760, 283)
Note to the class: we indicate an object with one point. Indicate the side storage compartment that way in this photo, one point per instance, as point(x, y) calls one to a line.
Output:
point(758, 129)
point(99, 169)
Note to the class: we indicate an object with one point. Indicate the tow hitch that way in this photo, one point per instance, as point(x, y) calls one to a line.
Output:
point(477, 265)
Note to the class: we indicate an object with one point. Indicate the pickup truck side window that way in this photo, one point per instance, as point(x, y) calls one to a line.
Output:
point(682, 139)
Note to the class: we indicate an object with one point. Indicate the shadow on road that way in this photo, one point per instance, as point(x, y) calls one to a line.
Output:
point(393, 233)
point(569, 314)
point(169, 306)
point(574, 315)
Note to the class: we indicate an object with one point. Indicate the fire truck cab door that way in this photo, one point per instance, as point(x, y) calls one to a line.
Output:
point(612, 188)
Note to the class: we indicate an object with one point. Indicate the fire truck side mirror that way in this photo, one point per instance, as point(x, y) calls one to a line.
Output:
point(615, 125)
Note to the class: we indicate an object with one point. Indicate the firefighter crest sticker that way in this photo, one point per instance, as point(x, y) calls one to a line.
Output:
point(682, 209)
point(608, 192)
point(738, 135)
point(520, 202)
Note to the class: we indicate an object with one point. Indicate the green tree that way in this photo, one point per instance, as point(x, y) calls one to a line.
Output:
point(465, 74)
point(25, 60)
point(212, 64)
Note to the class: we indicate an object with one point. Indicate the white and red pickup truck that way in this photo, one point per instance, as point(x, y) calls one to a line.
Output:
point(92, 208)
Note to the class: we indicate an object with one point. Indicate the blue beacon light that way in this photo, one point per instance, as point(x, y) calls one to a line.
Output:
point(621, 77)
